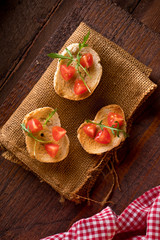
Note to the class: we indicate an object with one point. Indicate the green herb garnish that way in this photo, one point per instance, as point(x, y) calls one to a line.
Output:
point(56, 55)
point(114, 130)
point(76, 60)
point(83, 44)
point(49, 117)
point(31, 135)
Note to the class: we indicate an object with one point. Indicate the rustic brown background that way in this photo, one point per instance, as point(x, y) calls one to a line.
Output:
point(30, 209)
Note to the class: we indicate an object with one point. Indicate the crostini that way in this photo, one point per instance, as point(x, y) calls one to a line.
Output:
point(78, 71)
point(105, 132)
point(45, 139)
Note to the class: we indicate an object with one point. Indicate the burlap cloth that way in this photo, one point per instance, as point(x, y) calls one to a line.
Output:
point(124, 82)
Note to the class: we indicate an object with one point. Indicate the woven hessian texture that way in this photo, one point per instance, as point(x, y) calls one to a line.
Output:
point(124, 82)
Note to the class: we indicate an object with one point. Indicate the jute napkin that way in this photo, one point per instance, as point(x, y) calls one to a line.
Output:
point(124, 82)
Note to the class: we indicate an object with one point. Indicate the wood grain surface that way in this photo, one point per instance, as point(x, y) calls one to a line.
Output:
point(30, 209)
point(19, 36)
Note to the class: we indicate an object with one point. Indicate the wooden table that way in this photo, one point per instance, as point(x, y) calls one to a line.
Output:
point(30, 209)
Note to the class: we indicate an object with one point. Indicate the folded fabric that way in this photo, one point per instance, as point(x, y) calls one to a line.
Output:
point(140, 220)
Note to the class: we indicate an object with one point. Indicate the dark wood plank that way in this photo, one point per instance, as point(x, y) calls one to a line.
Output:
point(30, 209)
point(36, 44)
point(20, 23)
point(148, 12)
point(128, 5)
point(25, 44)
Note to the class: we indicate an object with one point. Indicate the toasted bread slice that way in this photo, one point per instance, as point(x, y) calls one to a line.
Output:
point(37, 149)
point(93, 147)
point(66, 88)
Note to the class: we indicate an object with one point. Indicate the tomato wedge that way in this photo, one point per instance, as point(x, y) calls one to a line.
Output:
point(86, 60)
point(90, 129)
point(58, 132)
point(113, 118)
point(34, 125)
point(52, 149)
point(103, 136)
point(67, 72)
point(79, 87)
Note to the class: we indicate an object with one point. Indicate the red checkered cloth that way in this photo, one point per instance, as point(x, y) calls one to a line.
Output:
point(139, 221)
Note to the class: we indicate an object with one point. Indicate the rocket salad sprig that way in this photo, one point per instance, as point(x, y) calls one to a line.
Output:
point(30, 134)
point(49, 117)
point(114, 130)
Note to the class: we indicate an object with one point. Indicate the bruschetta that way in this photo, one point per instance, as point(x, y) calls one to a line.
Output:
point(45, 139)
point(105, 132)
point(78, 71)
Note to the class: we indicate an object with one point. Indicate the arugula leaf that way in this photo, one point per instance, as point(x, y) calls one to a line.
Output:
point(78, 57)
point(69, 52)
point(49, 117)
point(86, 37)
point(83, 79)
point(114, 130)
point(69, 63)
point(76, 67)
point(32, 136)
point(56, 55)
point(84, 69)
point(83, 44)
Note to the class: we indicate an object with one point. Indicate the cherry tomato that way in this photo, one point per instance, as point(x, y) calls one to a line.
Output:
point(103, 136)
point(113, 118)
point(90, 129)
point(67, 72)
point(79, 87)
point(52, 149)
point(34, 125)
point(58, 132)
point(86, 60)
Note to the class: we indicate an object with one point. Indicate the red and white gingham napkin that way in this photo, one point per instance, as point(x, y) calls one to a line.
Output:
point(139, 221)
